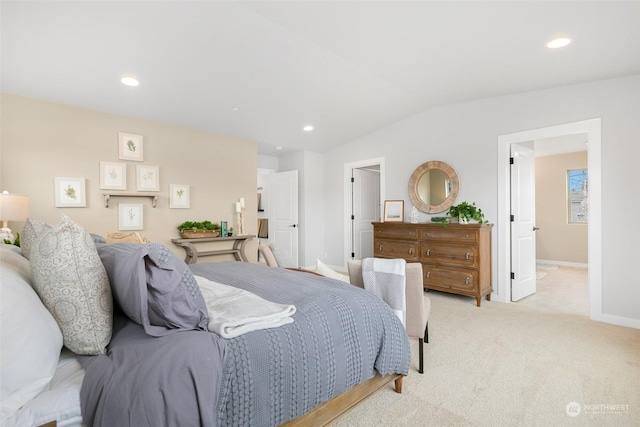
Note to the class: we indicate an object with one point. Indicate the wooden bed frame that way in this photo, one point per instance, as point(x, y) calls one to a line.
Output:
point(329, 411)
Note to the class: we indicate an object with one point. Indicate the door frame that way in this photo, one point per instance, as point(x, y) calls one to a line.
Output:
point(348, 168)
point(592, 128)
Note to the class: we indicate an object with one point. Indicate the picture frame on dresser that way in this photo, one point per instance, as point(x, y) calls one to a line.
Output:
point(394, 211)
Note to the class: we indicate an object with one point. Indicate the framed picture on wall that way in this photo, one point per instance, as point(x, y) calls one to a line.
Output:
point(179, 196)
point(70, 192)
point(147, 178)
point(113, 176)
point(393, 210)
point(130, 216)
point(130, 147)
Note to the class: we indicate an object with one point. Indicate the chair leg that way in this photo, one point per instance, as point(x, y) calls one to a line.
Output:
point(426, 333)
point(420, 356)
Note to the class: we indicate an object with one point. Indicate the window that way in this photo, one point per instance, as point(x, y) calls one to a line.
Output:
point(577, 195)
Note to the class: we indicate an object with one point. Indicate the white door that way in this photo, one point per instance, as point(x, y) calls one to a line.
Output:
point(283, 217)
point(365, 186)
point(523, 211)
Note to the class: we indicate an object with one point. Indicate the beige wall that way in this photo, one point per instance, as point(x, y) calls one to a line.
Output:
point(42, 140)
point(557, 240)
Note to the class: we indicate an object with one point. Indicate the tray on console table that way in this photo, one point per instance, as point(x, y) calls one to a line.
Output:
point(455, 259)
point(238, 250)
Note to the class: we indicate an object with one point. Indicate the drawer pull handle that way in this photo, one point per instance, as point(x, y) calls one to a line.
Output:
point(380, 248)
point(428, 252)
point(466, 282)
point(410, 251)
point(411, 233)
point(428, 274)
point(468, 256)
point(466, 235)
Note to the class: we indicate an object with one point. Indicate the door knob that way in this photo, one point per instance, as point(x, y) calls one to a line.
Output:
point(293, 225)
point(536, 228)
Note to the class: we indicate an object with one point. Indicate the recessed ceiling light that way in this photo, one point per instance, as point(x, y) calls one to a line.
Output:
point(278, 147)
point(307, 128)
point(129, 81)
point(235, 108)
point(558, 42)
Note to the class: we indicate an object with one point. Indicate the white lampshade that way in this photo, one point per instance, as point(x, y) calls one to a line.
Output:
point(13, 207)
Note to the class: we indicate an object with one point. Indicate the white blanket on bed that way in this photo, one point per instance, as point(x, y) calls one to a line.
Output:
point(234, 311)
point(386, 278)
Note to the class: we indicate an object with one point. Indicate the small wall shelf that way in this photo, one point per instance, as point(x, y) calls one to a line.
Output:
point(107, 196)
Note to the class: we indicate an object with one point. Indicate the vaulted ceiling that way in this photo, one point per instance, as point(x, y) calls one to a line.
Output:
point(262, 70)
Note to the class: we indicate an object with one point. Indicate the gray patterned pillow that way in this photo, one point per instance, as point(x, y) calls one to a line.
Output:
point(73, 284)
point(33, 229)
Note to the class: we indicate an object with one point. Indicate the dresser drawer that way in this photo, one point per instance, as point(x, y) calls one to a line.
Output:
point(396, 232)
point(443, 278)
point(454, 255)
point(396, 249)
point(458, 234)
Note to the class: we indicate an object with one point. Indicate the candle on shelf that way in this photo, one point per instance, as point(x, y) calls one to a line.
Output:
point(242, 202)
point(238, 207)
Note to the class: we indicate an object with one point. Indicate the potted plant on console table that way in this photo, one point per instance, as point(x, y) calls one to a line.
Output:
point(466, 213)
point(198, 230)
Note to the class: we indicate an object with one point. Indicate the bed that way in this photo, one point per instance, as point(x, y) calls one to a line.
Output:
point(342, 345)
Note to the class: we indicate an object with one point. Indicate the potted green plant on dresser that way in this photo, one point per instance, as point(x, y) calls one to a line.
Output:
point(467, 213)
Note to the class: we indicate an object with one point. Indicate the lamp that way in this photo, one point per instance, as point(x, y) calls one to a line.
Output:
point(13, 207)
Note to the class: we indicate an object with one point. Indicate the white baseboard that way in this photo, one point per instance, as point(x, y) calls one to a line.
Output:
point(619, 321)
point(563, 263)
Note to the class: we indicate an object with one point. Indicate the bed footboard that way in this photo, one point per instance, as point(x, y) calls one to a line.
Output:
point(327, 412)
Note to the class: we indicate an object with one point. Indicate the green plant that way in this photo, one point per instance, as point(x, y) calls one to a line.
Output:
point(467, 211)
point(198, 225)
point(16, 241)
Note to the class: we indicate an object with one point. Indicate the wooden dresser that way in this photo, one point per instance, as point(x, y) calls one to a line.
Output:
point(455, 259)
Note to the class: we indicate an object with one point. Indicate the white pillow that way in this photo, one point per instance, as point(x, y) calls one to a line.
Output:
point(73, 284)
point(326, 271)
point(31, 339)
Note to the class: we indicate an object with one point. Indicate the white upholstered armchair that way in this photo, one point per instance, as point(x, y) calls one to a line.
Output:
point(418, 305)
point(267, 254)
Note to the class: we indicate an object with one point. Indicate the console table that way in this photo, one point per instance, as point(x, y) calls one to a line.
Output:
point(238, 249)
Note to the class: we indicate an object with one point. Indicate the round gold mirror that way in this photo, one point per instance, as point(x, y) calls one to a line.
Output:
point(433, 187)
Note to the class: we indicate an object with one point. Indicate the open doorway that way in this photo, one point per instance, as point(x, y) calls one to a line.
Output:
point(561, 222)
point(592, 129)
point(364, 191)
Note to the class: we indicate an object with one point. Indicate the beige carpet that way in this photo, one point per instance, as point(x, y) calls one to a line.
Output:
point(560, 288)
point(513, 365)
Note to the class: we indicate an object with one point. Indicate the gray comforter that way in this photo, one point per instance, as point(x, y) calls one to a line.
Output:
point(341, 336)
point(152, 381)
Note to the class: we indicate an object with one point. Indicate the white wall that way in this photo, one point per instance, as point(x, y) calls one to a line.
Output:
point(465, 136)
point(267, 162)
point(311, 208)
point(312, 186)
